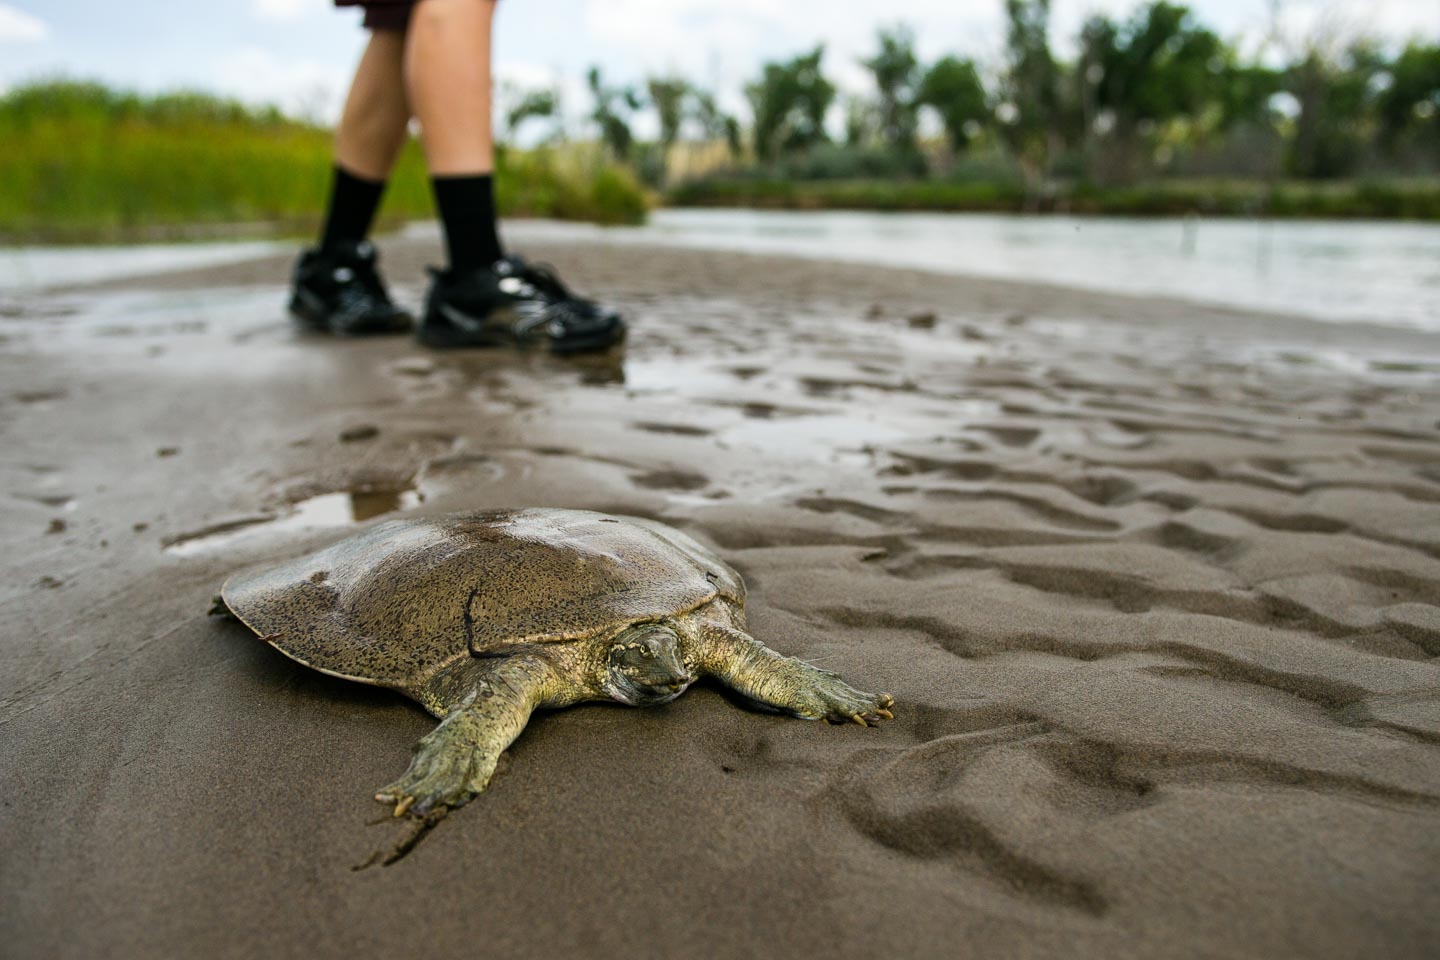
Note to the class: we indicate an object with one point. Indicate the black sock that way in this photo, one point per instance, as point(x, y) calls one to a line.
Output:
point(353, 202)
point(467, 210)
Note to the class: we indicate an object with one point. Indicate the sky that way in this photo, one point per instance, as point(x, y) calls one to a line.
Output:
point(299, 53)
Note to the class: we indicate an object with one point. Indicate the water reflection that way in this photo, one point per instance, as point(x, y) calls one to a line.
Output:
point(339, 509)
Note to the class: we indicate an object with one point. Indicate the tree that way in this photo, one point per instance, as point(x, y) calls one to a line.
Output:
point(529, 105)
point(1245, 91)
point(860, 121)
point(897, 77)
point(609, 102)
point(1155, 67)
point(1028, 113)
point(1409, 107)
point(953, 88)
point(715, 123)
point(789, 102)
point(667, 96)
point(1328, 137)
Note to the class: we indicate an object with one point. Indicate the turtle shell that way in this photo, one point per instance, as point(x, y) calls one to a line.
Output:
point(398, 602)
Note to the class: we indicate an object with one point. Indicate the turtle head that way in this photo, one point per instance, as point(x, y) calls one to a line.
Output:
point(644, 666)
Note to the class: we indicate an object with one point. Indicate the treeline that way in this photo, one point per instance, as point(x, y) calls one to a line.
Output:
point(1157, 94)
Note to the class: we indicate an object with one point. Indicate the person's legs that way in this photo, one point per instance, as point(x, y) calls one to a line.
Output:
point(377, 113)
point(371, 132)
point(337, 288)
point(484, 298)
point(447, 76)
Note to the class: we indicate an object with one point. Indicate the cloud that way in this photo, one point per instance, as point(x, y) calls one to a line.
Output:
point(285, 10)
point(1333, 23)
point(19, 26)
point(521, 73)
point(302, 88)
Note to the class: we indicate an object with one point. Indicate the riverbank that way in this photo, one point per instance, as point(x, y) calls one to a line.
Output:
point(1154, 584)
point(1292, 199)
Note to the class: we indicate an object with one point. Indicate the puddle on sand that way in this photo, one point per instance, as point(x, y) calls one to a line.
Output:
point(832, 437)
point(674, 375)
point(339, 509)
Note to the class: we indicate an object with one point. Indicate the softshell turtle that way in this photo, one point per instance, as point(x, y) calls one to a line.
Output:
point(483, 617)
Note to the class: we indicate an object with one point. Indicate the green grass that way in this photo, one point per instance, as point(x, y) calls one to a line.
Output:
point(1381, 199)
point(83, 162)
point(848, 194)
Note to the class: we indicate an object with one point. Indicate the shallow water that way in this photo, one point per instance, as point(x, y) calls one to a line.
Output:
point(1364, 271)
point(1345, 271)
point(25, 269)
point(338, 509)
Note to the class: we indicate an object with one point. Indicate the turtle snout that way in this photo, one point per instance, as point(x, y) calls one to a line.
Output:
point(664, 693)
point(674, 686)
point(646, 666)
point(662, 681)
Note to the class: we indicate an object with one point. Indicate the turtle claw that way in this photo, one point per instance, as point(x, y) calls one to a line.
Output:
point(829, 698)
point(448, 770)
point(420, 793)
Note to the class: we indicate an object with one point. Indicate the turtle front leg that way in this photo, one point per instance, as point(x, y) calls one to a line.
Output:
point(488, 704)
point(749, 667)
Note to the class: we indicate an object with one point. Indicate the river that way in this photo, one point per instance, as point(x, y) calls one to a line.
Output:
point(1344, 271)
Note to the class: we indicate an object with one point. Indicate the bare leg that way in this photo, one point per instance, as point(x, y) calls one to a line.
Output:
point(486, 704)
point(447, 76)
point(377, 114)
point(749, 667)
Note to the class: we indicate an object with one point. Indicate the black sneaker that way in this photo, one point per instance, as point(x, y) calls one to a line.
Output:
point(512, 305)
point(341, 292)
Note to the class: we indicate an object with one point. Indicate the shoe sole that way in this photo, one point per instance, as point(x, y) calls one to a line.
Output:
point(441, 338)
point(315, 321)
point(303, 315)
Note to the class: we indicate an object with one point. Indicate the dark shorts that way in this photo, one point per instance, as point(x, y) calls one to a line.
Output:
point(382, 14)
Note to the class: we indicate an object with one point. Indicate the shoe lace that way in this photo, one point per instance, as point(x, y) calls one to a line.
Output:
point(543, 277)
point(562, 312)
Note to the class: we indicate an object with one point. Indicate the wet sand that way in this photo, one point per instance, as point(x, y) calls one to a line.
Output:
point(1154, 586)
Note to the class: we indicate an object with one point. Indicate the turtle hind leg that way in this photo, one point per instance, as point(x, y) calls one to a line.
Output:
point(801, 689)
point(219, 608)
